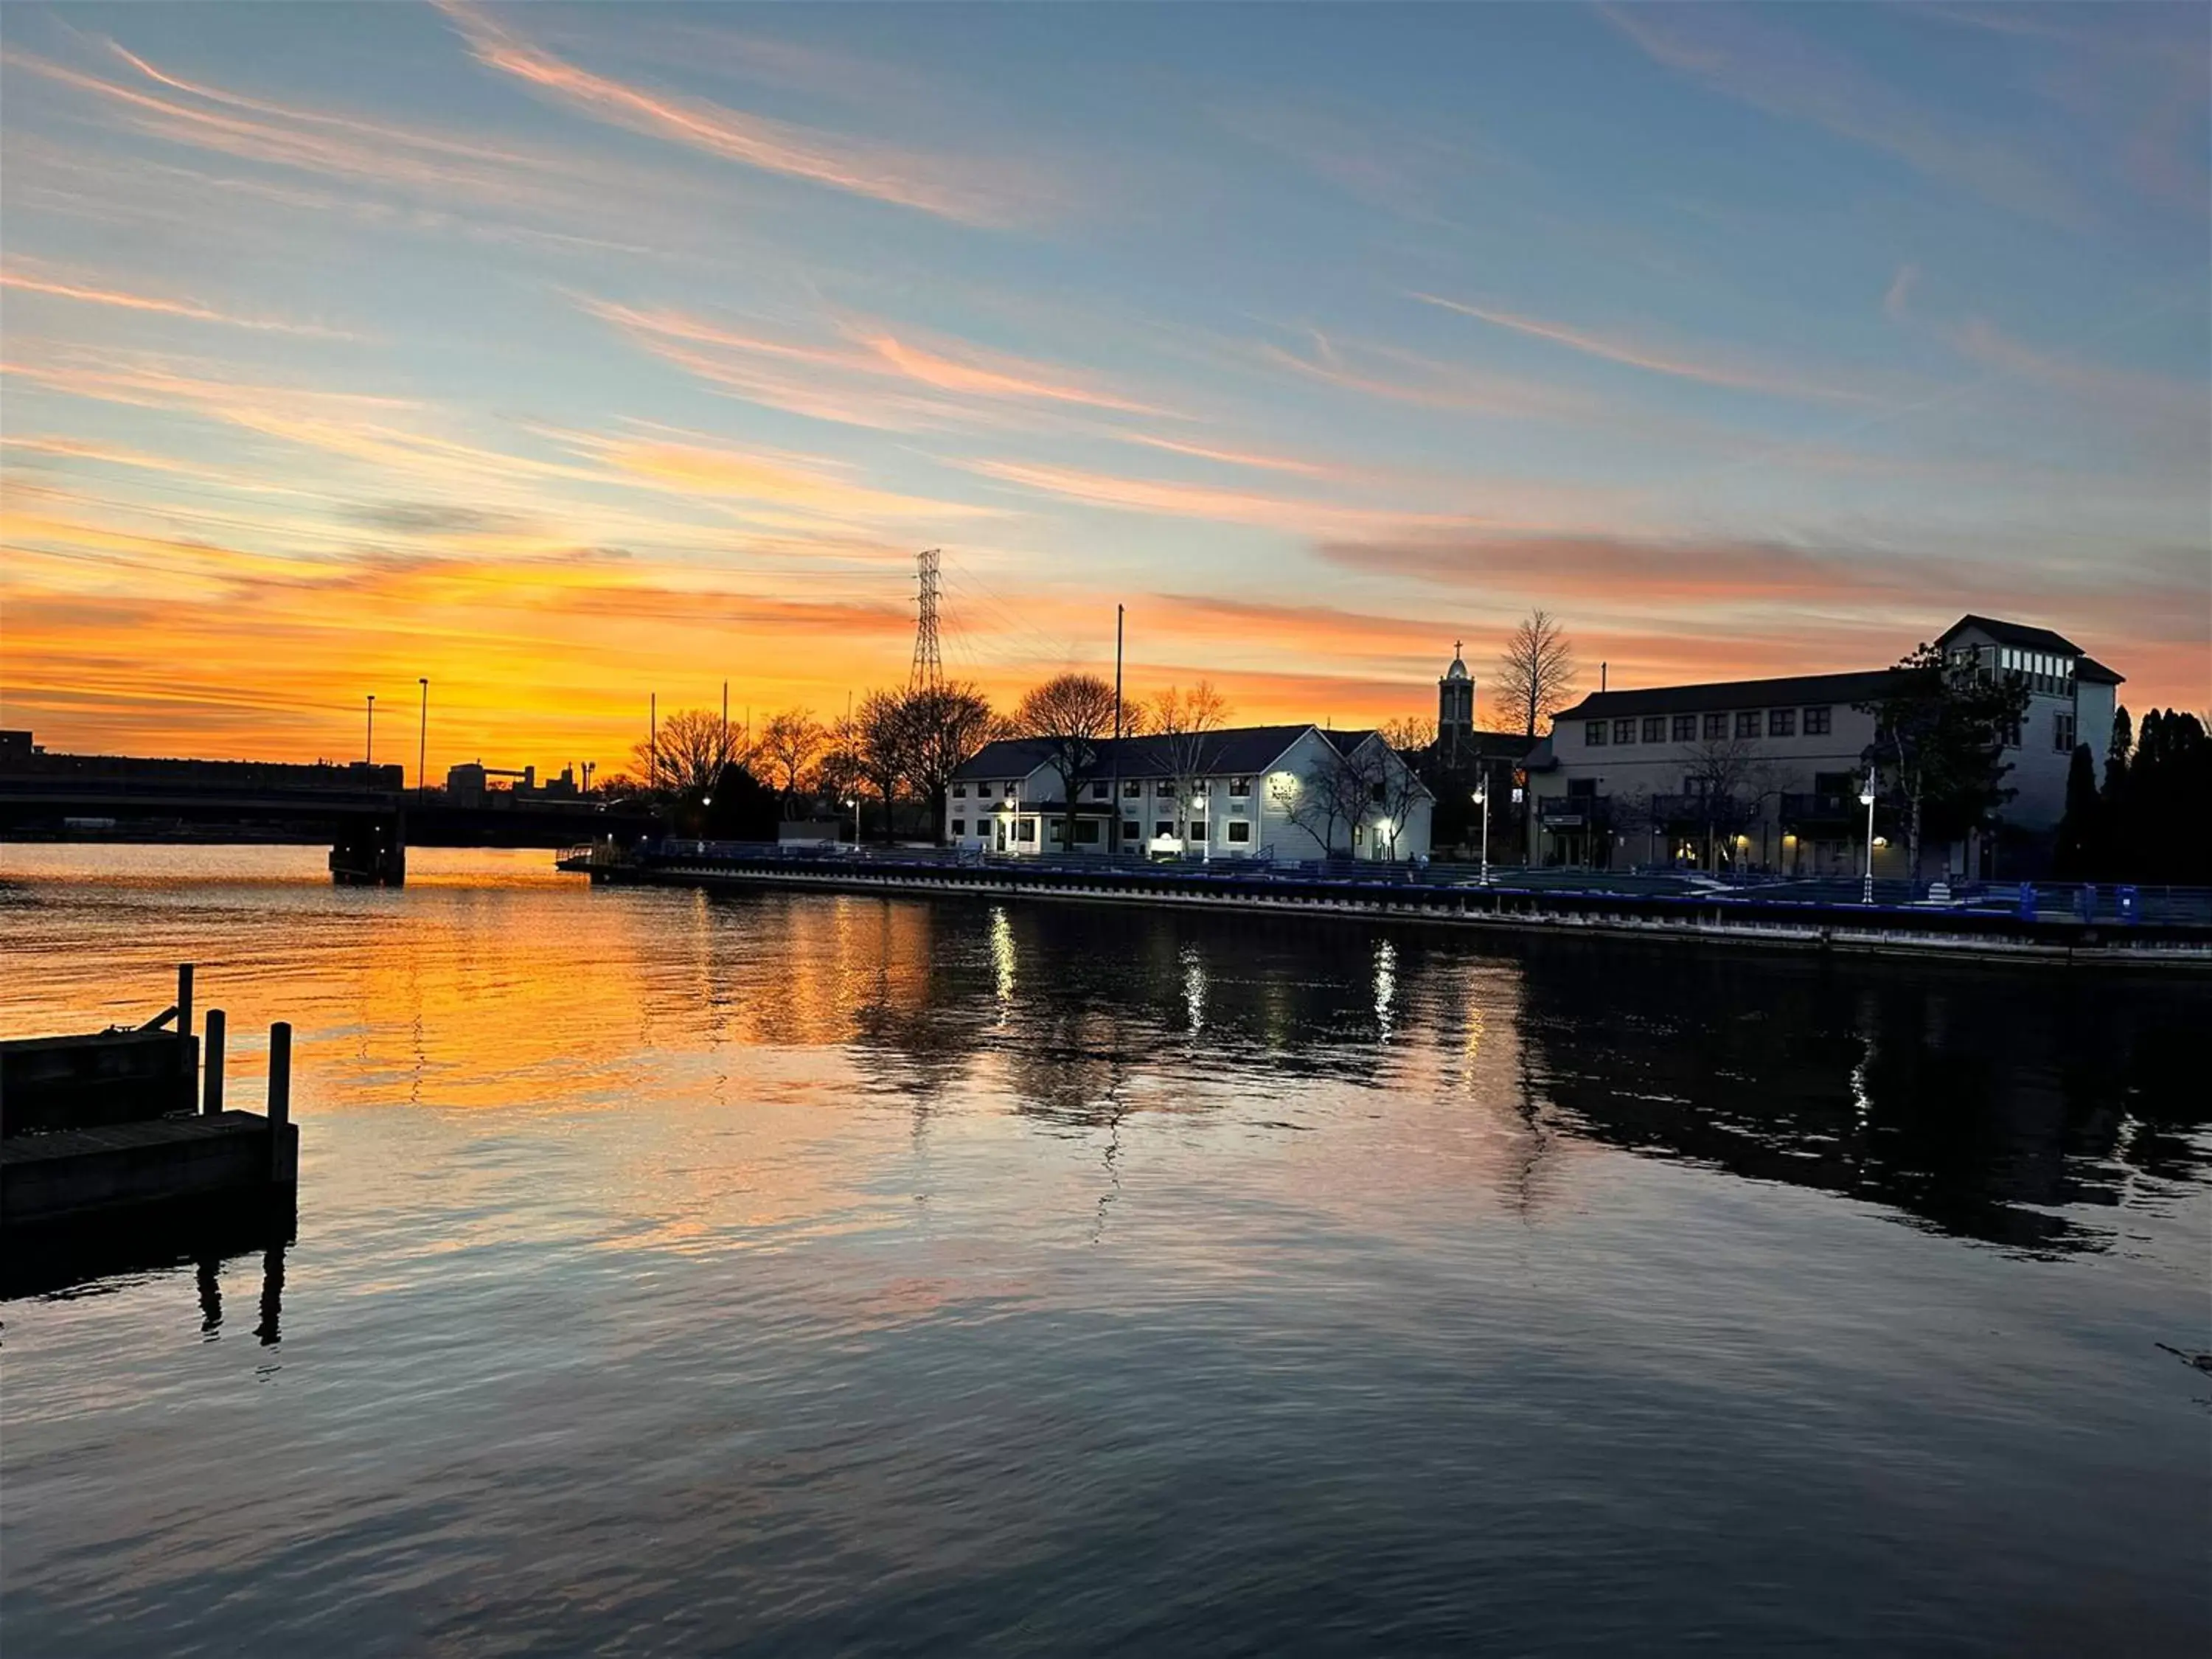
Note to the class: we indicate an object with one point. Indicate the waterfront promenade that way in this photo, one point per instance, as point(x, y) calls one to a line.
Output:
point(2059, 925)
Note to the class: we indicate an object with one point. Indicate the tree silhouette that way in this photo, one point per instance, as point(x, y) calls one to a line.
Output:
point(1536, 670)
point(790, 744)
point(1189, 725)
point(687, 752)
point(1069, 713)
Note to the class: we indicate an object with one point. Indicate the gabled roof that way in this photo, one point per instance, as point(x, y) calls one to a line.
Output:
point(1864, 686)
point(2088, 668)
point(1236, 750)
point(2013, 634)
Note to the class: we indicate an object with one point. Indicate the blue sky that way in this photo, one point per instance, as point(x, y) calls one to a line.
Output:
point(567, 353)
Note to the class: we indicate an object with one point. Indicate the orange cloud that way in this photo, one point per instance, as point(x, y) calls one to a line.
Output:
point(974, 195)
point(1206, 501)
point(128, 301)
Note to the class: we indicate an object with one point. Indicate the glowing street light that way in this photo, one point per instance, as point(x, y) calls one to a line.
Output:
point(1866, 799)
point(1482, 799)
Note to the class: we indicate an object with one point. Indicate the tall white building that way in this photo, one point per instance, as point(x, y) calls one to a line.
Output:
point(1767, 773)
point(1282, 791)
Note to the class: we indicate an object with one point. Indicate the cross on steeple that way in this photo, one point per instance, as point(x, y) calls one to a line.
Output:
point(1455, 645)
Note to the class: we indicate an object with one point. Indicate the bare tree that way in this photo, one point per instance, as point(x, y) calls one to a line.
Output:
point(1331, 798)
point(687, 752)
point(1187, 725)
point(1408, 734)
point(791, 742)
point(1392, 786)
point(1070, 713)
point(882, 746)
point(1725, 779)
point(945, 725)
point(1536, 670)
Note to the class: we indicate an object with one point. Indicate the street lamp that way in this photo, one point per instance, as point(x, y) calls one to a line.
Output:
point(854, 803)
point(1482, 799)
point(372, 729)
point(1866, 799)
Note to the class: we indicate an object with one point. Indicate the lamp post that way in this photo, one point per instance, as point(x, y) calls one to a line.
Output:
point(423, 732)
point(1482, 799)
point(1866, 799)
point(371, 757)
point(854, 803)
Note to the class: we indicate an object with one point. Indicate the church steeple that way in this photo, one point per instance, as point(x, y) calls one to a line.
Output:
point(1455, 707)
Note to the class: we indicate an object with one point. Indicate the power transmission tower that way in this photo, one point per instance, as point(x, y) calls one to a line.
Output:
point(928, 665)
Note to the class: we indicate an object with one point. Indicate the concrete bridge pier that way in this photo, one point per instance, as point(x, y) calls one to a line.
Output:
point(370, 851)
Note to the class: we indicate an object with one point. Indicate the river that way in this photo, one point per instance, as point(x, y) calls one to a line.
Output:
point(798, 1273)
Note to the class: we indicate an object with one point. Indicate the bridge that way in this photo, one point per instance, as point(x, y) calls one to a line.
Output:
point(367, 813)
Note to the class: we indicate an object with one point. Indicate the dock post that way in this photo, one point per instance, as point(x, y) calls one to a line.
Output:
point(184, 999)
point(211, 1097)
point(280, 1095)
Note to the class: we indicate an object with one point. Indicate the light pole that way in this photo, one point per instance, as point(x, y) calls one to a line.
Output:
point(1866, 799)
point(372, 729)
point(1482, 799)
point(423, 732)
point(854, 803)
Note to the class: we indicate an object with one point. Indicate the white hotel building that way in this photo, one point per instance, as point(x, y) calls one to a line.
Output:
point(1627, 777)
point(1241, 800)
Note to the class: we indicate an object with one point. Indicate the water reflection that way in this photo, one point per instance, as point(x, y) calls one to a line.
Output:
point(1981, 1103)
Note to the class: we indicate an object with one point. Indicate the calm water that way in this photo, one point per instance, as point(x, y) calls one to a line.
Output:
point(808, 1274)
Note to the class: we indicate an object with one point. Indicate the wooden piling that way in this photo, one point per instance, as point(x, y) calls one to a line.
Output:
point(184, 999)
point(211, 1096)
point(280, 1098)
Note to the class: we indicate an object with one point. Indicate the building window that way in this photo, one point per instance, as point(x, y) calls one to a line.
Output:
point(1716, 727)
point(1816, 723)
point(1239, 789)
point(1238, 832)
point(1086, 832)
point(1654, 728)
point(1026, 831)
point(1593, 735)
point(1197, 829)
point(1163, 830)
point(1098, 789)
point(1376, 790)
point(2062, 731)
point(1164, 789)
point(1132, 790)
point(959, 826)
point(960, 792)
point(1130, 830)
point(2010, 733)
point(1624, 731)
point(1686, 728)
point(1781, 722)
point(1746, 723)
point(1012, 790)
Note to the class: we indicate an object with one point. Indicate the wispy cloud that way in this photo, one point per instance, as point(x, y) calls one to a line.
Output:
point(1898, 297)
point(2153, 400)
point(977, 193)
point(1736, 53)
point(862, 371)
point(1709, 367)
point(124, 299)
point(1204, 501)
point(1399, 375)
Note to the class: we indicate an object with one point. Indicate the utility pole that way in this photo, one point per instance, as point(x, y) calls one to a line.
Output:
point(1114, 805)
point(726, 724)
point(372, 729)
point(422, 733)
point(653, 740)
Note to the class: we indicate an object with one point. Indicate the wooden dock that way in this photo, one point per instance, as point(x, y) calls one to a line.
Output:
point(113, 1129)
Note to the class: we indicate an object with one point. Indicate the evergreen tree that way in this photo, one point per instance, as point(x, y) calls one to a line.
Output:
point(2078, 854)
point(2115, 754)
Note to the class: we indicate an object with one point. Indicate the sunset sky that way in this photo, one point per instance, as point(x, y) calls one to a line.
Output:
point(570, 355)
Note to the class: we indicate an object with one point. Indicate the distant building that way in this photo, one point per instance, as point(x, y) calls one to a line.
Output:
point(1454, 710)
point(1766, 773)
point(1289, 792)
